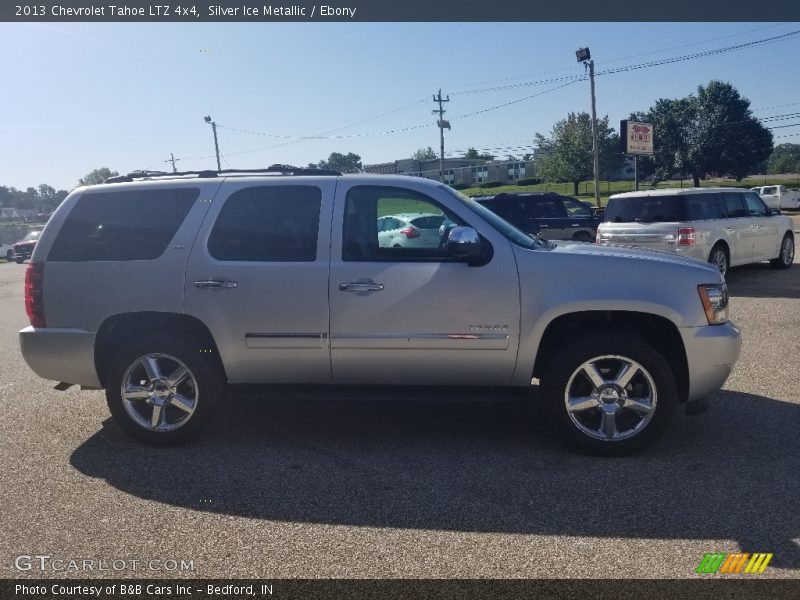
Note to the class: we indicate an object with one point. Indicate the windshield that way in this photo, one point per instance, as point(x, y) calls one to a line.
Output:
point(510, 232)
point(33, 235)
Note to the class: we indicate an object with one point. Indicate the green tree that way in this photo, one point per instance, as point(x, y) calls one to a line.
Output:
point(97, 176)
point(785, 158)
point(566, 156)
point(711, 133)
point(474, 154)
point(346, 163)
point(424, 154)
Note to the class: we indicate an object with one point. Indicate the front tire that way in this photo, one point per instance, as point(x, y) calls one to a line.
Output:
point(785, 255)
point(162, 390)
point(612, 393)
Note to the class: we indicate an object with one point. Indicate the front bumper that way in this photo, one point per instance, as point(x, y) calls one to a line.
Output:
point(60, 354)
point(711, 353)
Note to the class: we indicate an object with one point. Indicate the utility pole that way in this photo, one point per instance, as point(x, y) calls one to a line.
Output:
point(216, 144)
point(442, 124)
point(172, 160)
point(583, 55)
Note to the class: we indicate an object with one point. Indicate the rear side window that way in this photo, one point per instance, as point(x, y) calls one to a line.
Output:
point(123, 225)
point(548, 209)
point(268, 224)
point(700, 207)
point(646, 209)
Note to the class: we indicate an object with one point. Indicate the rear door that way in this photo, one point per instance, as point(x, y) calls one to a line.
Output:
point(258, 278)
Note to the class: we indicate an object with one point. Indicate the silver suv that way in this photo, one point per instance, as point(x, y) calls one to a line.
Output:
point(165, 290)
point(725, 226)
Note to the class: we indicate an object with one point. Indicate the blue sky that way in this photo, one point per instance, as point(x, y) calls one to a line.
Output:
point(78, 96)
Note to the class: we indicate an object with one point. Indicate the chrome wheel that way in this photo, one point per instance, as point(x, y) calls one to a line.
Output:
point(610, 398)
point(720, 260)
point(159, 392)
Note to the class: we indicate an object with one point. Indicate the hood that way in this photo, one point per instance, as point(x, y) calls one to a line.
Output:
point(658, 256)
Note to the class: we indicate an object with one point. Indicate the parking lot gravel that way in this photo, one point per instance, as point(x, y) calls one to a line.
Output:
point(413, 485)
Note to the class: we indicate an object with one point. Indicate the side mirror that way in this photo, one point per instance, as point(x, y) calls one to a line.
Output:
point(465, 244)
point(774, 211)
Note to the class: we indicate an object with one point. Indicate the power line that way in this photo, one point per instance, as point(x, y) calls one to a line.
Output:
point(617, 59)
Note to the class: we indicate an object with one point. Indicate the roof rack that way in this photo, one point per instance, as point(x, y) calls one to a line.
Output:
point(273, 169)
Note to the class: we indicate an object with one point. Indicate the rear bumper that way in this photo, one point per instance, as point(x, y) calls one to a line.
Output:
point(711, 353)
point(60, 354)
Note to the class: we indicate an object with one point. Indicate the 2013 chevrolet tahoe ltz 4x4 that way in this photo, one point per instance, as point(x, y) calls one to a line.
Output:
point(163, 290)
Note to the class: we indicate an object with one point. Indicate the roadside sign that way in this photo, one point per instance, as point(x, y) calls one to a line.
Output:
point(636, 137)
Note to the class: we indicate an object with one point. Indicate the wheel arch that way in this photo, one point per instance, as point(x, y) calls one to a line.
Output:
point(659, 332)
point(120, 329)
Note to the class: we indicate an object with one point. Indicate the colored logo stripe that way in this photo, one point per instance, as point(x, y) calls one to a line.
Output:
point(734, 563)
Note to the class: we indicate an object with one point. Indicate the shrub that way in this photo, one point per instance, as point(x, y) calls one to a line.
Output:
point(491, 184)
point(529, 181)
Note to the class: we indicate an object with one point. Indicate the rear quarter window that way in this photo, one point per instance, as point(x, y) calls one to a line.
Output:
point(122, 225)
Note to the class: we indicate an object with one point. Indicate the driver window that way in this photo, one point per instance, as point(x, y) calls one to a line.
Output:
point(755, 206)
point(389, 224)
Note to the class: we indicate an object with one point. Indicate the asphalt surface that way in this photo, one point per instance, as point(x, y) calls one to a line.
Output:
point(408, 486)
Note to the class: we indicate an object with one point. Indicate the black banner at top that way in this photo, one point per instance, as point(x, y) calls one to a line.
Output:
point(398, 10)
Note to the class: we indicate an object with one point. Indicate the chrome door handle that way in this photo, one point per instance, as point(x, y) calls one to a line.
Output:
point(215, 283)
point(361, 286)
point(728, 229)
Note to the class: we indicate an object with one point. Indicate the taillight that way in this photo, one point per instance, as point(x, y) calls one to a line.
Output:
point(410, 233)
point(34, 294)
point(686, 236)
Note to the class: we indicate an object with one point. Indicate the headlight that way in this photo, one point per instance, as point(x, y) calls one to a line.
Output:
point(715, 302)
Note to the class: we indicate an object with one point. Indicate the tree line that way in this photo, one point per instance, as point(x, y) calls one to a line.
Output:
point(45, 198)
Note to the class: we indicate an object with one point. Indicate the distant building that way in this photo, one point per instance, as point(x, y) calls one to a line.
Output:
point(459, 171)
point(16, 214)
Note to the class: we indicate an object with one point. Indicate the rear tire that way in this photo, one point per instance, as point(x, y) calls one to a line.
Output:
point(162, 390)
point(583, 236)
point(19, 261)
point(612, 393)
point(720, 259)
point(785, 254)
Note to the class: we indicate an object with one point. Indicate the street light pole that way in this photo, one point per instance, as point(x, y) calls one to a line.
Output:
point(595, 149)
point(583, 55)
point(216, 144)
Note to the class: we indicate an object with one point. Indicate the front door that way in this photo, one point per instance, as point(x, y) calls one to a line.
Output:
point(407, 313)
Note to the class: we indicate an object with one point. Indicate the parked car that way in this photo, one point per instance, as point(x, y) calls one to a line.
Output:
point(409, 230)
point(24, 248)
point(166, 290)
point(725, 226)
point(778, 196)
point(547, 214)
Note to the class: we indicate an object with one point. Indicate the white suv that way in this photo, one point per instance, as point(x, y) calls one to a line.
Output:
point(167, 290)
point(724, 226)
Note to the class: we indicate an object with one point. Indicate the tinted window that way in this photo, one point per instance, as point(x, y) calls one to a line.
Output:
point(428, 222)
point(366, 239)
point(734, 206)
point(548, 209)
point(755, 207)
point(769, 191)
point(577, 209)
point(700, 207)
point(269, 223)
point(646, 209)
point(123, 225)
